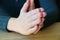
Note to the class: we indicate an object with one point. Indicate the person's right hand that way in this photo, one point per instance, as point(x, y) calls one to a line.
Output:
point(25, 23)
point(42, 19)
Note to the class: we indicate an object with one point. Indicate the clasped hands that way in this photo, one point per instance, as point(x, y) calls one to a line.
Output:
point(30, 20)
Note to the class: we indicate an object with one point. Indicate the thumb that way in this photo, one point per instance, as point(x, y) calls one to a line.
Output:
point(32, 4)
point(25, 6)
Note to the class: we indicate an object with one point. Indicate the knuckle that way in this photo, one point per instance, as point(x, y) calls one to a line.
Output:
point(37, 9)
point(41, 9)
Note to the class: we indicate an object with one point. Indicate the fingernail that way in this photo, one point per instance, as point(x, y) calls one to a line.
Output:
point(41, 12)
point(42, 9)
point(28, 1)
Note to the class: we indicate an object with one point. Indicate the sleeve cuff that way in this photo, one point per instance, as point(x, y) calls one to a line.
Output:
point(3, 22)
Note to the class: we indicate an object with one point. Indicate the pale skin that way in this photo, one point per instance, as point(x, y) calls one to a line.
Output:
point(27, 21)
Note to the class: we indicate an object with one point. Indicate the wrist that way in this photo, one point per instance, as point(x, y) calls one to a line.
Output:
point(11, 24)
